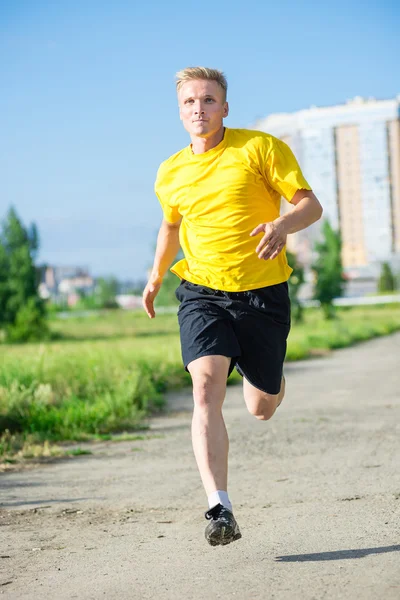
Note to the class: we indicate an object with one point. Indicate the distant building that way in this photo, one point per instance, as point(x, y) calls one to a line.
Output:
point(128, 301)
point(63, 285)
point(350, 154)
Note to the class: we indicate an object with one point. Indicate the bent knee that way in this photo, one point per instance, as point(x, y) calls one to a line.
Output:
point(263, 415)
point(264, 408)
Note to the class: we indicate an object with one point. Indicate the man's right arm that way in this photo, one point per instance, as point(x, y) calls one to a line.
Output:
point(166, 250)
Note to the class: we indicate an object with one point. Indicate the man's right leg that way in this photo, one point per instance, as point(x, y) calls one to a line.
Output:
point(211, 444)
point(209, 435)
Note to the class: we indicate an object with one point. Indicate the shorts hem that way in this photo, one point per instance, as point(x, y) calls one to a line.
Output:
point(212, 353)
point(251, 381)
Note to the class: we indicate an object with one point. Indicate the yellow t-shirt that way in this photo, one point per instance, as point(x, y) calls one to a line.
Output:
point(222, 195)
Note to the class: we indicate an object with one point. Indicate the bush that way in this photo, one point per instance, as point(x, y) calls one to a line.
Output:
point(387, 282)
point(328, 270)
point(22, 311)
point(29, 325)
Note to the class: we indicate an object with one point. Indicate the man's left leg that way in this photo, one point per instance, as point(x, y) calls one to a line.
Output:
point(259, 403)
point(262, 331)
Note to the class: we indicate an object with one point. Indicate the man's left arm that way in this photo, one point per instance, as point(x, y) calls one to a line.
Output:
point(307, 210)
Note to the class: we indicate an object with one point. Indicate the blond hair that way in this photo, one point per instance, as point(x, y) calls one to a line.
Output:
point(191, 73)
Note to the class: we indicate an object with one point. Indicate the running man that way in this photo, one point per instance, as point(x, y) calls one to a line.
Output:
point(221, 200)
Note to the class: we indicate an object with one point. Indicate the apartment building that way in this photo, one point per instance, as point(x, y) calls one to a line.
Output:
point(350, 154)
point(62, 284)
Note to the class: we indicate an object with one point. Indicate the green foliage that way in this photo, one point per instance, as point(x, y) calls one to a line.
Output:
point(296, 280)
point(4, 287)
point(137, 287)
point(22, 312)
point(166, 295)
point(74, 391)
point(106, 290)
point(85, 388)
point(29, 325)
point(387, 282)
point(78, 452)
point(328, 269)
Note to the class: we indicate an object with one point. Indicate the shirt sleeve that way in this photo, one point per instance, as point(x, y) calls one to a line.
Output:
point(283, 172)
point(171, 212)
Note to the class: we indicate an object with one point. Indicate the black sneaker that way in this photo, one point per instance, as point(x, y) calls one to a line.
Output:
point(222, 528)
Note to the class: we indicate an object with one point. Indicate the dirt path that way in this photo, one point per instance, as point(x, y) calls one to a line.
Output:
point(316, 492)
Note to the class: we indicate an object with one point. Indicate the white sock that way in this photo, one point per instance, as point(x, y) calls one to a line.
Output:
point(219, 497)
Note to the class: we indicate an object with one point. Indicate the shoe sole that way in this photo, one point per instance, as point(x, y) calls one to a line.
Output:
point(223, 537)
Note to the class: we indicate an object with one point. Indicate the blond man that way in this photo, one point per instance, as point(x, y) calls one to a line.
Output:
point(221, 200)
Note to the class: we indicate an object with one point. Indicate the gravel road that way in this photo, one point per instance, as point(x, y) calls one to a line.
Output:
point(316, 492)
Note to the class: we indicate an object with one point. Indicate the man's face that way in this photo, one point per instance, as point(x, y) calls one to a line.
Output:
point(202, 107)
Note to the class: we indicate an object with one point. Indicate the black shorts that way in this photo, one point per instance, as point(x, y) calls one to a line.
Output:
point(249, 327)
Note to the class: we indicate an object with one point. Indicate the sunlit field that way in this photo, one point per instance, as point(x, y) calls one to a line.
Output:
point(111, 370)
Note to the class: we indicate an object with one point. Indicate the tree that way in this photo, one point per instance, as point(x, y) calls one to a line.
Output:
point(328, 270)
point(166, 295)
point(295, 282)
point(136, 288)
point(4, 290)
point(22, 311)
point(106, 290)
point(387, 282)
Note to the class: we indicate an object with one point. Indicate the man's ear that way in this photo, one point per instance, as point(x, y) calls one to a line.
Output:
point(226, 109)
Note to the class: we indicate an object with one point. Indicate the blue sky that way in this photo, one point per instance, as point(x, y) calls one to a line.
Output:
point(88, 107)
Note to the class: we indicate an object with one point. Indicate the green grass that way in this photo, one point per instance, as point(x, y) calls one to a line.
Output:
point(112, 370)
point(113, 324)
point(352, 325)
point(78, 452)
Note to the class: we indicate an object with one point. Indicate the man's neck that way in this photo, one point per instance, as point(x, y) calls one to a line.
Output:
point(201, 145)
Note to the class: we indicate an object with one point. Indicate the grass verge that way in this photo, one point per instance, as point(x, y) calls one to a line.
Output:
point(99, 381)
